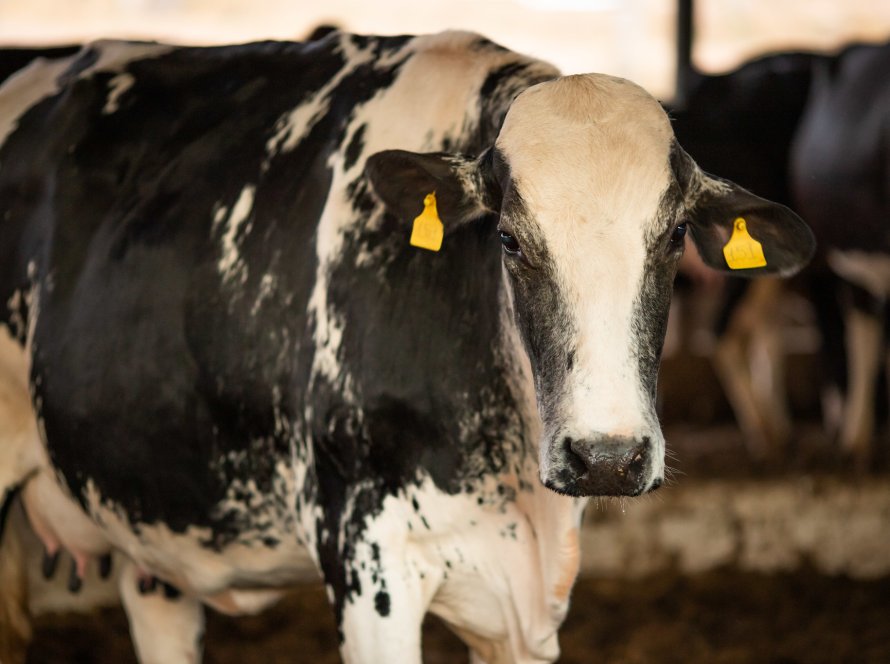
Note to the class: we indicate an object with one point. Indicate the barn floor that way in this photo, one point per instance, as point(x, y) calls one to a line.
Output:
point(723, 617)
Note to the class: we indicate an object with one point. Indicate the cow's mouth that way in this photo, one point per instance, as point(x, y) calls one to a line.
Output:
point(603, 466)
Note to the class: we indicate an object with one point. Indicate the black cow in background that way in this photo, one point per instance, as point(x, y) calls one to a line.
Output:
point(830, 112)
point(742, 123)
point(840, 173)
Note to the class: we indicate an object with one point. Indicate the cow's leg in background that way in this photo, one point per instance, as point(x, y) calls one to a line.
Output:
point(749, 361)
point(865, 342)
point(165, 630)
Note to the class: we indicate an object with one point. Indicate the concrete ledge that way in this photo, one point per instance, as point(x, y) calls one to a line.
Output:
point(837, 526)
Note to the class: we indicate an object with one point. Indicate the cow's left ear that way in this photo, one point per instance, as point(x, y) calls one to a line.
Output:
point(463, 185)
point(715, 207)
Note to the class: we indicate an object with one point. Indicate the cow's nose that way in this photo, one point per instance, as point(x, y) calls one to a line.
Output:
point(616, 466)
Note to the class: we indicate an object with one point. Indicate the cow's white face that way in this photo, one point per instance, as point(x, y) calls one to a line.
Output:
point(587, 220)
point(593, 197)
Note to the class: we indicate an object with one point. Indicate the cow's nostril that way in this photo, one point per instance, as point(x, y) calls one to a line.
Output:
point(577, 465)
point(635, 464)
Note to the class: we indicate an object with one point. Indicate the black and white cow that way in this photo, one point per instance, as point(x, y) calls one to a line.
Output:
point(239, 366)
point(840, 170)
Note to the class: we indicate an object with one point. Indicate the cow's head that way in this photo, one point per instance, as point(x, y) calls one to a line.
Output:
point(593, 197)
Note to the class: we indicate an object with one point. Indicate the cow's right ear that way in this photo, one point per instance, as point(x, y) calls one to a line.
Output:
point(718, 208)
point(464, 187)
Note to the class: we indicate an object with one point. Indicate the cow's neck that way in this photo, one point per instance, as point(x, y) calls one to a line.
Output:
point(556, 518)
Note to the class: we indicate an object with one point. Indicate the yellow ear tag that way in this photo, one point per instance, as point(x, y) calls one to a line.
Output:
point(428, 229)
point(743, 252)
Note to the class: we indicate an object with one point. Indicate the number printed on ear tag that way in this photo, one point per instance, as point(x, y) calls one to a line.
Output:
point(743, 252)
point(428, 228)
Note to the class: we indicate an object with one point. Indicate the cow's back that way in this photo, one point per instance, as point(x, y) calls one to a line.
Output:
point(842, 152)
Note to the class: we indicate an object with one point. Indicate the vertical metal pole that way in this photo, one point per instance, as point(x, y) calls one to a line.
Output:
point(684, 37)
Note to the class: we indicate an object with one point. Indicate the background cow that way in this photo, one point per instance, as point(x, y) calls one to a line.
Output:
point(238, 364)
point(745, 124)
point(741, 124)
point(839, 167)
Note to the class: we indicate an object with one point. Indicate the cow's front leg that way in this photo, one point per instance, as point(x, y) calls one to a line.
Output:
point(384, 606)
point(165, 629)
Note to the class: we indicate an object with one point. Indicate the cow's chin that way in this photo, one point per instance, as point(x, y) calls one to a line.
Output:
point(601, 466)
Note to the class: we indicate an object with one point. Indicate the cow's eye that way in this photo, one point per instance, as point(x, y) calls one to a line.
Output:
point(677, 235)
point(511, 245)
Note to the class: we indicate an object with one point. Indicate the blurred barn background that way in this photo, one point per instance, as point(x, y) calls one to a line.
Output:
point(772, 541)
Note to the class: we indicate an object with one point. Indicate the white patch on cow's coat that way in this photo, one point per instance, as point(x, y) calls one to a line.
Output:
point(869, 270)
point(589, 156)
point(268, 284)
point(117, 87)
point(41, 79)
point(231, 225)
point(114, 55)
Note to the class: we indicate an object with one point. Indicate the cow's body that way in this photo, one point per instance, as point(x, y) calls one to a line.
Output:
point(239, 366)
point(840, 166)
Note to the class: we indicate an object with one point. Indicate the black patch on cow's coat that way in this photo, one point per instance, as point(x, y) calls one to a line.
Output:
point(542, 314)
point(650, 319)
point(354, 149)
point(381, 603)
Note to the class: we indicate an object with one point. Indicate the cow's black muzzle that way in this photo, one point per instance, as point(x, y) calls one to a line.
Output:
point(606, 466)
